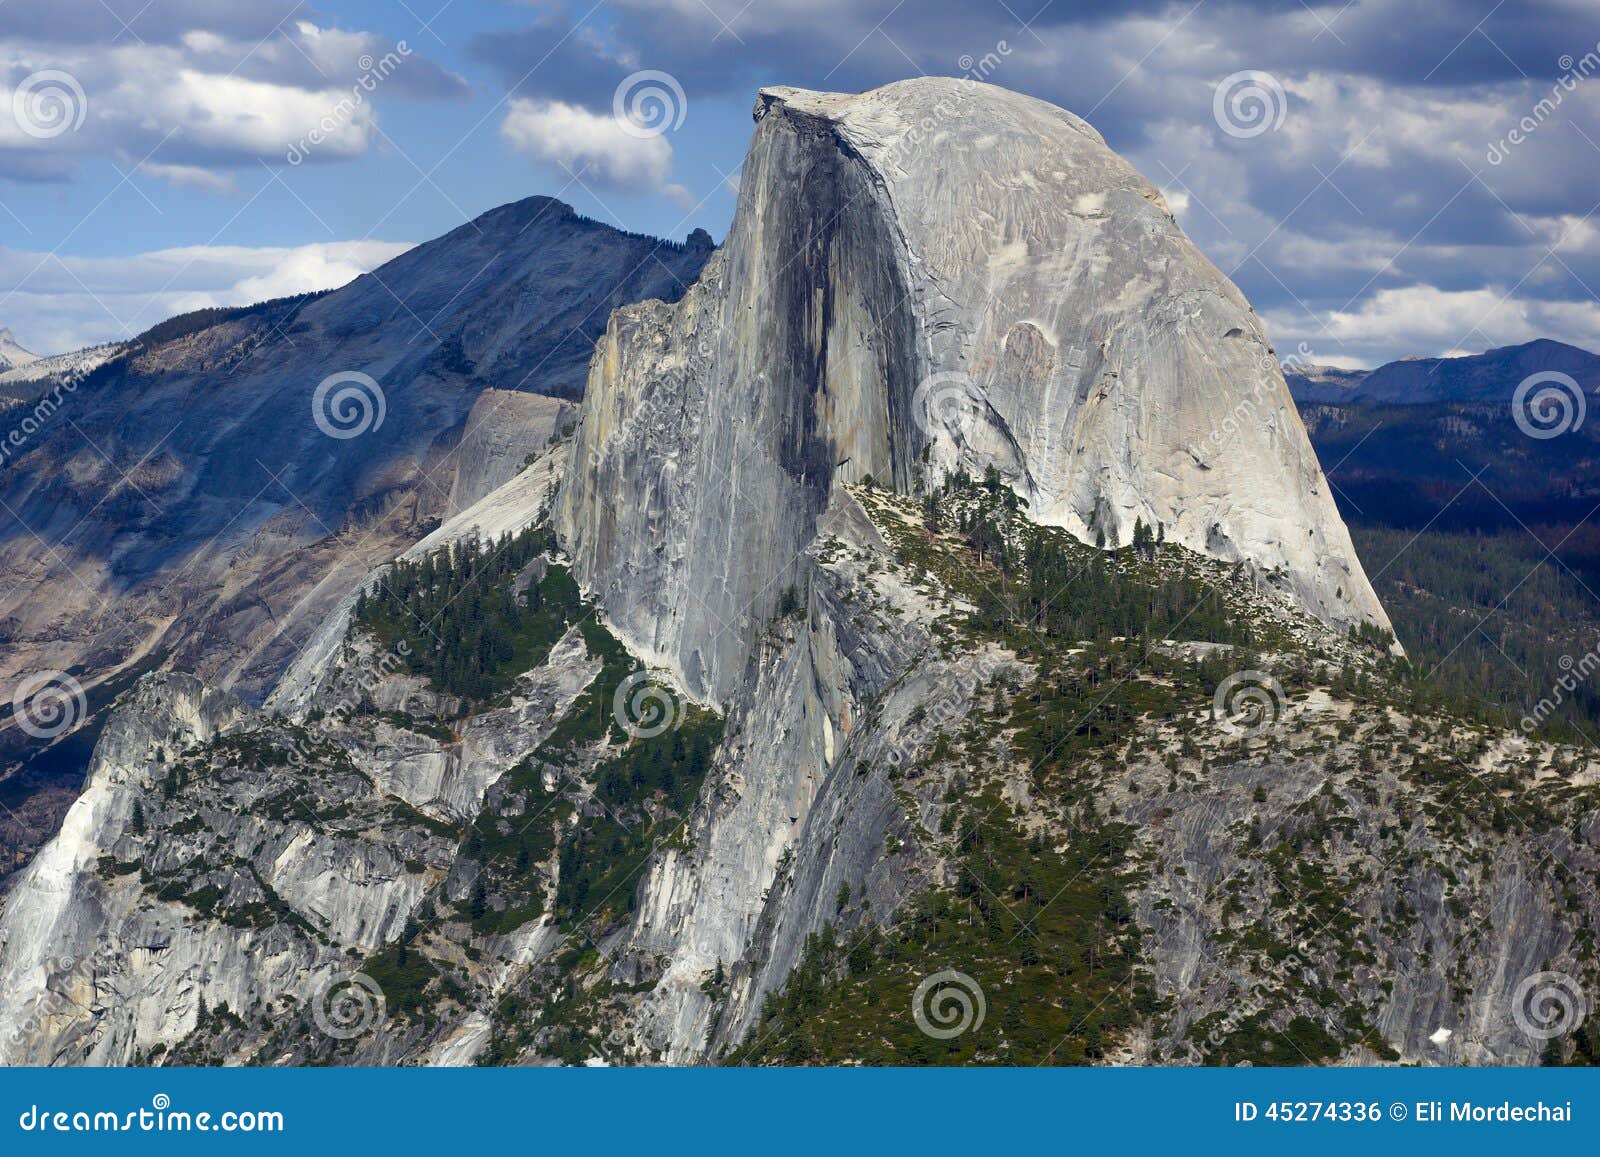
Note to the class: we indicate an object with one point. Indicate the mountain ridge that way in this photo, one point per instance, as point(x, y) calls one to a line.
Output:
point(1491, 376)
point(12, 355)
point(181, 501)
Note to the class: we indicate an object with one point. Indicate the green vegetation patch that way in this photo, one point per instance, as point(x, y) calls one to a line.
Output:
point(461, 623)
point(1048, 936)
point(642, 788)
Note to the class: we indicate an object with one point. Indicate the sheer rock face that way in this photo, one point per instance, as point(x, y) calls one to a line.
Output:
point(65, 942)
point(505, 430)
point(933, 275)
point(109, 947)
point(932, 228)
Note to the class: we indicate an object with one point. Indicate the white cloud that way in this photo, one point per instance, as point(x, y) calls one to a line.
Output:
point(66, 303)
point(146, 101)
point(591, 146)
point(208, 101)
point(314, 267)
point(1430, 322)
point(228, 114)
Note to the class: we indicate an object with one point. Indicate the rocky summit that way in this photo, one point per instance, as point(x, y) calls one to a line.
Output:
point(929, 640)
point(937, 275)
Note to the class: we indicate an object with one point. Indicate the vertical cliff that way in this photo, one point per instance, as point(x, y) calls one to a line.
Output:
point(937, 275)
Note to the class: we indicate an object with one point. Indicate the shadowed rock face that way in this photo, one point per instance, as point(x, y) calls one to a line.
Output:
point(934, 236)
point(715, 430)
point(175, 503)
point(183, 499)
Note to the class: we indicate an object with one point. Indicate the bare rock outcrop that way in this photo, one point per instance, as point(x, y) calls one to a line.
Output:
point(936, 275)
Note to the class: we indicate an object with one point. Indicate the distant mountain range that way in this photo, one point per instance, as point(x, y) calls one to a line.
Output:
point(13, 355)
point(1491, 376)
point(184, 498)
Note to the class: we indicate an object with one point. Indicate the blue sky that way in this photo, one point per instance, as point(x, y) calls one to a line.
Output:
point(1422, 181)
